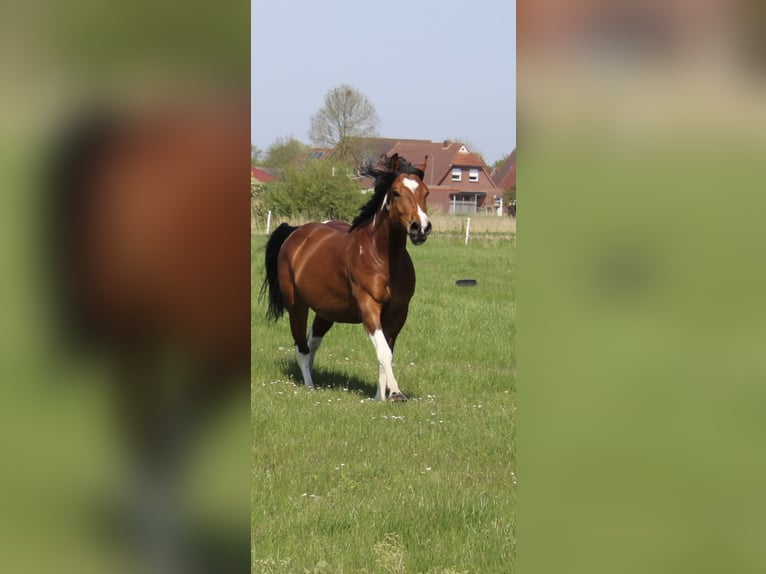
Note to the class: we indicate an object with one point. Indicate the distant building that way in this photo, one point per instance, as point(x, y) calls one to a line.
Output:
point(504, 176)
point(261, 175)
point(459, 180)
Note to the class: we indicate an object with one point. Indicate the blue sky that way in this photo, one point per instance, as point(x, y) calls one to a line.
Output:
point(433, 69)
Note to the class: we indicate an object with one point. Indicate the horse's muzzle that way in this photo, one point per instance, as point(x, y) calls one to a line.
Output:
point(418, 234)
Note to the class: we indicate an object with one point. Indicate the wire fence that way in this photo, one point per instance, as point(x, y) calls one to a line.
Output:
point(477, 224)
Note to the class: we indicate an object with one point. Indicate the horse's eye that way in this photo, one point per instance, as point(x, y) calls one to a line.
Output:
point(396, 193)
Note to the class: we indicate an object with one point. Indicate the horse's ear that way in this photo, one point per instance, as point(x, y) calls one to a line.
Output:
point(393, 163)
point(422, 166)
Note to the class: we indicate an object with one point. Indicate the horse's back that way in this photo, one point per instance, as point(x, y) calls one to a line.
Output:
point(315, 241)
point(338, 225)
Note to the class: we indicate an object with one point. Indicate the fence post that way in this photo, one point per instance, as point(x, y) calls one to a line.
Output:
point(467, 230)
point(268, 223)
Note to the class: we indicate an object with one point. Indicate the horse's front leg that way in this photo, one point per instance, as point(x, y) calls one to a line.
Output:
point(371, 309)
point(386, 379)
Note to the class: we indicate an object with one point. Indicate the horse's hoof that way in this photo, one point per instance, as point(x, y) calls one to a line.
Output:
point(397, 398)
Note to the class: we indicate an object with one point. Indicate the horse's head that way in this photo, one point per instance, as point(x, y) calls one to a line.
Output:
point(407, 201)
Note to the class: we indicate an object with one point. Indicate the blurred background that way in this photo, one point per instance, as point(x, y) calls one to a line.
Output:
point(124, 339)
point(641, 282)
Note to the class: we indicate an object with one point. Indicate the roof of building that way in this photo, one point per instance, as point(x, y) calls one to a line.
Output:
point(505, 175)
point(316, 153)
point(260, 174)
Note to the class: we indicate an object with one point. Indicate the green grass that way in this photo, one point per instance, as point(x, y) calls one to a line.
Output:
point(341, 483)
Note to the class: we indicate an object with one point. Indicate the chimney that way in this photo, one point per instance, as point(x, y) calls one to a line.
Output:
point(446, 144)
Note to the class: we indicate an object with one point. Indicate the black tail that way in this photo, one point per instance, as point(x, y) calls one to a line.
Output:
point(271, 283)
point(77, 151)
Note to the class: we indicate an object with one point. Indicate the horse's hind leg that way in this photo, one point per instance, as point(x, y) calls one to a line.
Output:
point(318, 330)
point(298, 321)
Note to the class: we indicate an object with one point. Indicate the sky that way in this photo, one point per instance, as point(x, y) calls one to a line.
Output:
point(433, 69)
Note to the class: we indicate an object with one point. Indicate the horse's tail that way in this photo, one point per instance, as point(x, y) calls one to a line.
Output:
point(73, 157)
point(271, 283)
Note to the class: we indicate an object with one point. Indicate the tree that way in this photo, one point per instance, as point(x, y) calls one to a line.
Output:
point(346, 116)
point(256, 155)
point(283, 152)
point(498, 163)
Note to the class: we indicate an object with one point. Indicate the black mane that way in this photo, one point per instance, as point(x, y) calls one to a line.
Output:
point(384, 176)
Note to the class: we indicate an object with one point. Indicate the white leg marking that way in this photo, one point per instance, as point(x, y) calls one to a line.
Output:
point(385, 370)
point(314, 343)
point(380, 395)
point(304, 362)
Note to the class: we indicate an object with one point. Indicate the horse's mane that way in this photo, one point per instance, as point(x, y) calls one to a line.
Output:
point(384, 175)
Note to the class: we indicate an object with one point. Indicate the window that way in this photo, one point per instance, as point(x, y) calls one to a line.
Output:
point(473, 174)
point(457, 174)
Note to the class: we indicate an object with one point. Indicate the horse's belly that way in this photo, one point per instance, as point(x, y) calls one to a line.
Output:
point(336, 317)
point(332, 301)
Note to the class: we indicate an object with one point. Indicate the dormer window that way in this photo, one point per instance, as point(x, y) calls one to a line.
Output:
point(457, 174)
point(473, 174)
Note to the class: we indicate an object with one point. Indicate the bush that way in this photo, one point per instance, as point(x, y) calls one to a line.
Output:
point(313, 190)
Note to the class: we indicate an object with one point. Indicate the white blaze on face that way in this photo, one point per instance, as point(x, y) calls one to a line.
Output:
point(410, 184)
point(413, 185)
point(423, 218)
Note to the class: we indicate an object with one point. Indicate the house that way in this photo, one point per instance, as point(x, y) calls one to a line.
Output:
point(260, 176)
point(504, 175)
point(319, 153)
point(459, 180)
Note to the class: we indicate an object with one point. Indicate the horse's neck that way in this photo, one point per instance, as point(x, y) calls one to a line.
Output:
point(388, 242)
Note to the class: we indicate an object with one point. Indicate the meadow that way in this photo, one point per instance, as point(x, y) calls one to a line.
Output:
point(344, 484)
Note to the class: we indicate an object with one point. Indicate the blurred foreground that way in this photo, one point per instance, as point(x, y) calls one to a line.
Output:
point(642, 321)
point(125, 333)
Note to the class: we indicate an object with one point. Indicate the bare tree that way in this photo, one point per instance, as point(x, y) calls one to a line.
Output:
point(346, 116)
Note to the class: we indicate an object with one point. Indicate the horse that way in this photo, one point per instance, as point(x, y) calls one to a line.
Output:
point(357, 273)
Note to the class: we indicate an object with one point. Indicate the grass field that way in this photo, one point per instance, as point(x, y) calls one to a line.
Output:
point(341, 483)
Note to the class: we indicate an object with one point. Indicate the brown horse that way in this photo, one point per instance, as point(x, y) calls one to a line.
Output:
point(358, 273)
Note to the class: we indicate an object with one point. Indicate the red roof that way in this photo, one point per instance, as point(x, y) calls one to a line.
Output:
point(260, 175)
point(442, 156)
point(467, 159)
point(505, 175)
